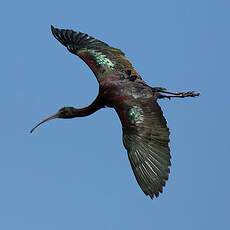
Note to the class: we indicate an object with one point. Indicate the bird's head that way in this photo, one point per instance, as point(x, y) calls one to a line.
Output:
point(65, 113)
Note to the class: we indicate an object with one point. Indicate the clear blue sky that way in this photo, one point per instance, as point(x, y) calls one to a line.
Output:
point(74, 174)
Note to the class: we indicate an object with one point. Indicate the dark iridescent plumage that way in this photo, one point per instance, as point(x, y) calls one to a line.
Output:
point(145, 132)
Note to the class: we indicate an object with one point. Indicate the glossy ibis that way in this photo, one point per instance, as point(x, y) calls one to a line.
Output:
point(145, 132)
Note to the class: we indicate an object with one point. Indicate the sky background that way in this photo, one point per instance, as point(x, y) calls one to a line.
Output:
point(74, 174)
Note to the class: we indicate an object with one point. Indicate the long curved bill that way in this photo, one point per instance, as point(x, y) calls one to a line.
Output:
point(45, 120)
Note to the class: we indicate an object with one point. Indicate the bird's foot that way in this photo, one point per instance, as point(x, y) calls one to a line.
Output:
point(188, 94)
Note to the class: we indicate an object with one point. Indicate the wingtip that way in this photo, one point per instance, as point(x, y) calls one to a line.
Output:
point(56, 33)
point(52, 29)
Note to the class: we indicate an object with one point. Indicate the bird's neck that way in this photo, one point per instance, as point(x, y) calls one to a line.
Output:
point(86, 111)
point(83, 112)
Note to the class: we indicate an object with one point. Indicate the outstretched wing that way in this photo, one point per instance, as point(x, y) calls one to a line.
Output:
point(103, 59)
point(146, 138)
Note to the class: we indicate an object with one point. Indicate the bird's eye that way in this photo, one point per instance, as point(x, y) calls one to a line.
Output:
point(62, 110)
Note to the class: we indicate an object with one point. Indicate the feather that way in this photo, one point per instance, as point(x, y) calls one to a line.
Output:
point(103, 59)
point(147, 146)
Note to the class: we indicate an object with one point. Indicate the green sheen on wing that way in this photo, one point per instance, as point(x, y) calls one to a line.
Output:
point(136, 115)
point(101, 58)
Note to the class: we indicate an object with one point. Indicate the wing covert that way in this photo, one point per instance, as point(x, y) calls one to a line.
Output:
point(103, 59)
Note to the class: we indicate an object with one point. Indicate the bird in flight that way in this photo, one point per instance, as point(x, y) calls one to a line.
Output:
point(145, 131)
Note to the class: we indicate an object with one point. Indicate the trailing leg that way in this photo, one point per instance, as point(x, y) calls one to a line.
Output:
point(163, 93)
